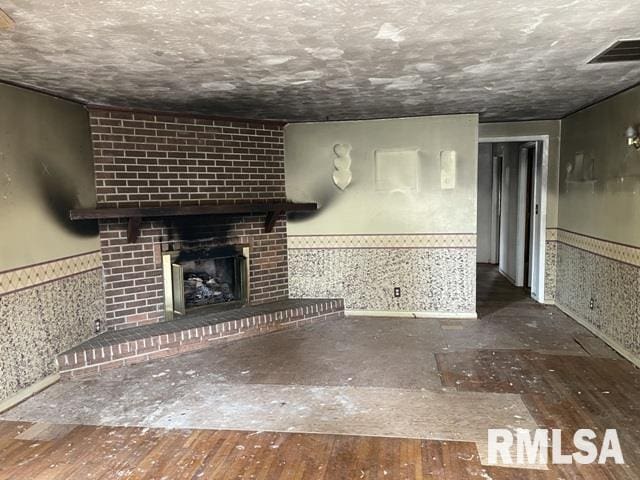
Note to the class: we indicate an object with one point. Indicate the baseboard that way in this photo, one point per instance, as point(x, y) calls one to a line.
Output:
point(395, 313)
point(633, 358)
point(507, 276)
point(27, 392)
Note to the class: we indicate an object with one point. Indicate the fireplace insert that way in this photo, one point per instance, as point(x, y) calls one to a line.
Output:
point(205, 277)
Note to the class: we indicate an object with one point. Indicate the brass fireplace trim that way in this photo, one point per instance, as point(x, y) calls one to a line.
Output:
point(172, 307)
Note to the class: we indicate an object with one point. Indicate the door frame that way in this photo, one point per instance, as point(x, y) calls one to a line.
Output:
point(521, 226)
point(496, 196)
point(539, 191)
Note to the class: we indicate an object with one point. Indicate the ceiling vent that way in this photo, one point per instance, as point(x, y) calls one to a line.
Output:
point(5, 20)
point(621, 51)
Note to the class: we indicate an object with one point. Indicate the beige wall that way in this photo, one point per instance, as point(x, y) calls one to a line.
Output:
point(605, 204)
point(362, 209)
point(45, 168)
point(370, 239)
point(534, 128)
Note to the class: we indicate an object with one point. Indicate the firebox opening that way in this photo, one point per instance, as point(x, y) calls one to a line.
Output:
point(211, 277)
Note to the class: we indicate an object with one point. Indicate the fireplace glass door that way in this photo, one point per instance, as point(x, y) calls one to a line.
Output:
point(205, 277)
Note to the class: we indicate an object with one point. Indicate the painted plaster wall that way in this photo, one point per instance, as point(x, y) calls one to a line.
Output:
point(45, 169)
point(485, 182)
point(598, 256)
point(50, 275)
point(609, 206)
point(364, 241)
point(361, 209)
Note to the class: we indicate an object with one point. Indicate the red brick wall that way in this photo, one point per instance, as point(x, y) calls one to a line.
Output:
point(146, 159)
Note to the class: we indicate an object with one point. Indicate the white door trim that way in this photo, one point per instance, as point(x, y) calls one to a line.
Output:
point(523, 174)
point(496, 169)
point(543, 198)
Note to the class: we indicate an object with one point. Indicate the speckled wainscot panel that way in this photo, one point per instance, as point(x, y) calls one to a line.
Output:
point(550, 264)
point(437, 280)
point(614, 286)
point(40, 322)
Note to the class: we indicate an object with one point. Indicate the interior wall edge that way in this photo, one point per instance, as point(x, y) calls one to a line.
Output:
point(614, 344)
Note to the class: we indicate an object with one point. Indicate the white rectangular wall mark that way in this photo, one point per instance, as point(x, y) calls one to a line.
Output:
point(448, 169)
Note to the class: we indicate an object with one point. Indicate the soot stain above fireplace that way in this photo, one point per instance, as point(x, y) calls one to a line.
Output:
point(191, 228)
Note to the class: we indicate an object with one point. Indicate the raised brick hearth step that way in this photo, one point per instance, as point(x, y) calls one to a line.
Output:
point(119, 348)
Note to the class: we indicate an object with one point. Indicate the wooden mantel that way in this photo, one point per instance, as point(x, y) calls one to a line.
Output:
point(136, 214)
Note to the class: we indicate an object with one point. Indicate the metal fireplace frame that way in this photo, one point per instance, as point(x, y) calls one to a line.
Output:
point(174, 303)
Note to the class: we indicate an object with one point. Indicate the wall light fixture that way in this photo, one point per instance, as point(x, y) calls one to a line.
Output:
point(632, 137)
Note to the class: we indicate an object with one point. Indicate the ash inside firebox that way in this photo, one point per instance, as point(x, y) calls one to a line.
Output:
point(208, 281)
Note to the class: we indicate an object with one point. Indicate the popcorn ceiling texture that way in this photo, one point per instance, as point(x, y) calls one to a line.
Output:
point(144, 159)
point(312, 60)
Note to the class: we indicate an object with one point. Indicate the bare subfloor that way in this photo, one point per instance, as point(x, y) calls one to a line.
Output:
point(443, 381)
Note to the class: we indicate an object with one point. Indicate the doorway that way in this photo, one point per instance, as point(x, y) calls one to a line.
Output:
point(512, 174)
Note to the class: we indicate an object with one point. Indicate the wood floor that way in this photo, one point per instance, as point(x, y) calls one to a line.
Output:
point(134, 453)
point(566, 391)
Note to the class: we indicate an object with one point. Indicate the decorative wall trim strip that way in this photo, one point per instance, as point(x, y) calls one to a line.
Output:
point(420, 240)
point(37, 274)
point(605, 248)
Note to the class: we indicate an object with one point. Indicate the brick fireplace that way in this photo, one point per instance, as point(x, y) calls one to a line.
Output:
point(147, 159)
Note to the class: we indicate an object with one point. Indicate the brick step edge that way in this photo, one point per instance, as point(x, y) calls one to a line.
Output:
point(96, 360)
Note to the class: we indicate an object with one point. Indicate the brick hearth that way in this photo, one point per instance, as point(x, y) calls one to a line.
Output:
point(119, 348)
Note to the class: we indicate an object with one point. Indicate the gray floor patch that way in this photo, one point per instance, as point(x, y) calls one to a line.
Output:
point(388, 412)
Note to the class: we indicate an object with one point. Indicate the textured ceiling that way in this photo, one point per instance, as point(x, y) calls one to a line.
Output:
point(309, 60)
